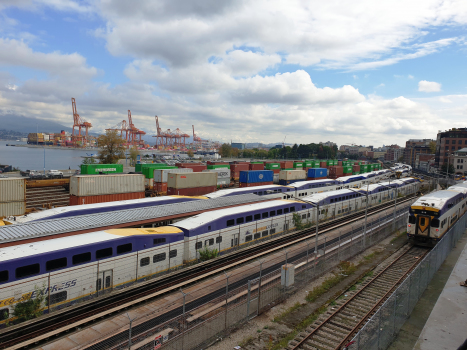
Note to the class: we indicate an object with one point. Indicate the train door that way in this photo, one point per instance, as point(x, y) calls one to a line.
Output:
point(105, 281)
point(423, 225)
point(234, 240)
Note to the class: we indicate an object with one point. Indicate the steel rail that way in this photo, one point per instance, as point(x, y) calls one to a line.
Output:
point(34, 331)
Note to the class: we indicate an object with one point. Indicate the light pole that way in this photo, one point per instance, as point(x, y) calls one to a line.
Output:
point(366, 212)
point(395, 202)
point(44, 159)
point(316, 231)
point(184, 319)
point(129, 333)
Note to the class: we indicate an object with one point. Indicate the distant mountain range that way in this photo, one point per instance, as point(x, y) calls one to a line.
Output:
point(26, 124)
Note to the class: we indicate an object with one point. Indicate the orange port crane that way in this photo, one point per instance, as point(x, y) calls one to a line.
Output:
point(78, 122)
point(168, 138)
point(197, 141)
point(135, 135)
point(124, 131)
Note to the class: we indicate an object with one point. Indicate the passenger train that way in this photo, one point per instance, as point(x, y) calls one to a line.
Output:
point(72, 268)
point(431, 216)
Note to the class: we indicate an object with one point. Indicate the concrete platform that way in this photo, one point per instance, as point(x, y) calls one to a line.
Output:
point(446, 328)
point(410, 332)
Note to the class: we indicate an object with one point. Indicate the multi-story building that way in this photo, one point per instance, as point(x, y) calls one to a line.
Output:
point(393, 153)
point(459, 160)
point(424, 161)
point(328, 143)
point(447, 142)
point(414, 147)
point(238, 145)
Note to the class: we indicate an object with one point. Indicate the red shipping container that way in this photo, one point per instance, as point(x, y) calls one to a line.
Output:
point(356, 168)
point(210, 162)
point(160, 187)
point(317, 178)
point(339, 163)
point(236, 168)
point(194, 191)
point(336, 171)
point(323, 164)
point(254, 184)
point(256, 167)
point(79, 200)
point(347, 174)
point(197, 167)
point(286, 165)
point(276, 171)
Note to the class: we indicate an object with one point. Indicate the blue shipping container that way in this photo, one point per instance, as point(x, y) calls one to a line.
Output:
point(317, 172)
point(253, 176)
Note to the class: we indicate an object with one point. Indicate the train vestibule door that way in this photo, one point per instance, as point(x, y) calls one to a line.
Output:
point(104, 281)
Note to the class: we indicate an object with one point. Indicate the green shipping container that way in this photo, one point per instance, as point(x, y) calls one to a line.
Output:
point(308, 164)
point(289, 169)
point(220, 166)
point(355, 173)
point(347, 169)
point(93, 169)
point(139, 167)
point(315, 164)
point(272, 166)
point(298, 165)
point(329, 162)
point(256, 162)
point(148, 171)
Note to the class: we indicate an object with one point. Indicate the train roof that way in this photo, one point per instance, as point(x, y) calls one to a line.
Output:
point(435, 200)
point(204, 218)
point(320, 198)
point(312, 183)
point(91, 238)
point(462, 188)
point(350, 178)
point(117, 205)
point(241, 190)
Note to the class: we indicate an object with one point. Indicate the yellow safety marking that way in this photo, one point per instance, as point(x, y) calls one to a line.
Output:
point(144, 231)
point(424, 208)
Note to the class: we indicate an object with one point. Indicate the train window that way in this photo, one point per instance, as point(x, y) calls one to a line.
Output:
point(264, 233)
point(144, 262)
point(435, 223)
point(55, 264)
point(248, 238)
point(346, 197)
point(219, 239)
point(28, 270)
point(108, 281)
point(292, 209)
point(309, 214)
point(198, 245)
point(272, 213)
point(272, 231)
point(209, 228)
point(173, 253)
point(57, 298)
point(158, 241)
point(103, 253)
point(240, 221)
point(422, 221)
point(4, 314)
point(211, 241)
point(332, 200)
point(286, 210)
point(412, 220)
point(3, 276)
point(249, 218)
point(230, 222)
point(257, 216)
point(264, 215)
point(124, 248)
point(99, 284)
point(255, 192)
point(161, 257)
point(260, 193)
point(304, 216)
point(81, 258)
point(257, 235)
point(279, 211)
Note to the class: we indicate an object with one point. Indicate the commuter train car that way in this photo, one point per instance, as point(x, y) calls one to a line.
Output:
point(277, 190)
point(88, 209)
point(431, 216)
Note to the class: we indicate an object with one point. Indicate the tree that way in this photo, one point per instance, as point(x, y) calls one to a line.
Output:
point(111, 147)
point(235, 152)
point(190, 153)
point(445, 166)
point(31, 307)
point(433, 147)
point(134, 152)
point(88, 160)
point(400, 159)
point(226, 150)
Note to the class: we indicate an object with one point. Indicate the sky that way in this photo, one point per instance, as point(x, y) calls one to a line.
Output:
point(365, 72)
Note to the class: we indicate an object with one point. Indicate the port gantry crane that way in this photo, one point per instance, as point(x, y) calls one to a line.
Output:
point(77, 138)
point(131, 134)
point(197, 141)
point(170, 139)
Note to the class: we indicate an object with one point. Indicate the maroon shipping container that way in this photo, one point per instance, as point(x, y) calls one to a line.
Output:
point(236, 168)
point(317, 178)
point(276, 171)
point(286, 165)
point(323, 164)
point(210, 162)
point(160, 187)
point(356, 168)
point(256, 166)
point(254, 184)
point(356, 163)
point(339, 163)
point(197, 167)
point(79, 200)
point(336, 171)
point(347, 174)
point(194, 191)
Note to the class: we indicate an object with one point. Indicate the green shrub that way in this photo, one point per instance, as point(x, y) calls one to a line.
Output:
point(207, 254)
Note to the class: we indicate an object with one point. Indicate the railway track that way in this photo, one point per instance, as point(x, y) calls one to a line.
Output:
point(38, 331)
point(338, 326)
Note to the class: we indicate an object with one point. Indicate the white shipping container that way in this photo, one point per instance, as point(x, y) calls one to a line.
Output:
point(160, 175)
point(91, 185)
point(12, 208)
point(221, 172)
point(191, 180)
point(276, 178)
point(46, 137)
point(149, 183)
point(223, 181)
point(13, 189)
point(292, 175)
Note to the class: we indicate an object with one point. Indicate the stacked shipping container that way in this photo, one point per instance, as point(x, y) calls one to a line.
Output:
point(191, 184)
point(287, 177)
point(256, 178)
point(93, 169)
point(235, 169)
point(223, 176)
point(161, 176)
point(197, 167)
point(12, 196)
point(317, 173)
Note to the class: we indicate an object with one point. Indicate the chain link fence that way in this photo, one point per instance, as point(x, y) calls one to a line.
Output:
point(194, 321)
point(379, 332)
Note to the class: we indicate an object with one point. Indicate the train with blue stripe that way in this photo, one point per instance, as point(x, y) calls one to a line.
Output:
point(433, 214)
point(82, 266)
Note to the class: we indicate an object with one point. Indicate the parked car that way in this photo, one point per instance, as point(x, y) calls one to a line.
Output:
point(55, 174)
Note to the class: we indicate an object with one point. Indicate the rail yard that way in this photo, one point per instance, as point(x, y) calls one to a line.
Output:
point(132, 242)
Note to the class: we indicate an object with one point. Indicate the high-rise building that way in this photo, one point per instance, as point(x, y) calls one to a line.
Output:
point(447, 142)
point(414, 147)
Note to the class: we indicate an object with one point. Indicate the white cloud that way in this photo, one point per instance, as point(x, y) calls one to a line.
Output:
point(429, 86)
point(410, 76)
point(445, 100)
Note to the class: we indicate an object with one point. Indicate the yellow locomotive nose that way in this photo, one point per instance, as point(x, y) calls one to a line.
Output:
point(423, 223)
